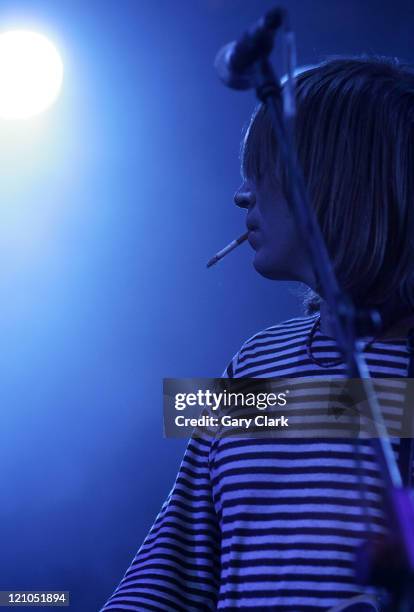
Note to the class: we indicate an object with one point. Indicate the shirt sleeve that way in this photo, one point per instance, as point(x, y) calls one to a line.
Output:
point(178, 564)
point(231, 369)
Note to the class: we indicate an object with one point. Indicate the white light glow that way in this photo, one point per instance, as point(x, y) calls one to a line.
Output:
point(31, 73)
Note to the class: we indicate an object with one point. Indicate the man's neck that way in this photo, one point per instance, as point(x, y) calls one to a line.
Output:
point(393, 327)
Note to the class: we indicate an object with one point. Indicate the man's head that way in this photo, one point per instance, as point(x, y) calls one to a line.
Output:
point(355, 140)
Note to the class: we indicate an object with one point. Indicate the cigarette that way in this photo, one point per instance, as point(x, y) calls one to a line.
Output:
point(233, 244)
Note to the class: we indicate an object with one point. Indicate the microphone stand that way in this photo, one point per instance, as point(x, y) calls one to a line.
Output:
point(397, 578)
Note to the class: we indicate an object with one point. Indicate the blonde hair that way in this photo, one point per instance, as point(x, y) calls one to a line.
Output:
point(355, 140)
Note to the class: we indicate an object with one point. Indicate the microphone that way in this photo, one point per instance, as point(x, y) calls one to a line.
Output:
point(235, 63)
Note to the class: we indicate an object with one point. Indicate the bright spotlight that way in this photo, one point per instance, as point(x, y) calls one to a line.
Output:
point(31, 73)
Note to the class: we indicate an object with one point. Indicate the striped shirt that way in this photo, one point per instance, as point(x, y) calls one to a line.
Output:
point(264, 524)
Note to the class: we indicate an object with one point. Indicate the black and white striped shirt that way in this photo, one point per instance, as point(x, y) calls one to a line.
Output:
point(264, 524)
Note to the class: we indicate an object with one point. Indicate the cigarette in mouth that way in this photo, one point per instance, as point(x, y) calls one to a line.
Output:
point(233, 244)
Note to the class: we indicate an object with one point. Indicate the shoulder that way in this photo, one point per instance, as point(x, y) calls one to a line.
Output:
point(280, 331)
point(278, 335)
point(271, 340)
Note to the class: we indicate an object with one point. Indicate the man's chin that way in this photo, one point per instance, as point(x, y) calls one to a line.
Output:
point(272, 272)
point(265, 270)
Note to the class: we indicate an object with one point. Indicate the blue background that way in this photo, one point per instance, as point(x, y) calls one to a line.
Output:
point(111, 203)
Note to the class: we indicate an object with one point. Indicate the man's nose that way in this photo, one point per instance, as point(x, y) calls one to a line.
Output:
point(244, 198)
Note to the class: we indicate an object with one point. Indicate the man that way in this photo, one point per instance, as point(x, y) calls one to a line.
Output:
point(266, 524)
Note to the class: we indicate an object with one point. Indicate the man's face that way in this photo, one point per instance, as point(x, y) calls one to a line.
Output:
point(279, 252)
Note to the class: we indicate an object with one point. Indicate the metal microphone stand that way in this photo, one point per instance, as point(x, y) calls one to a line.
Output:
point(346, 320)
